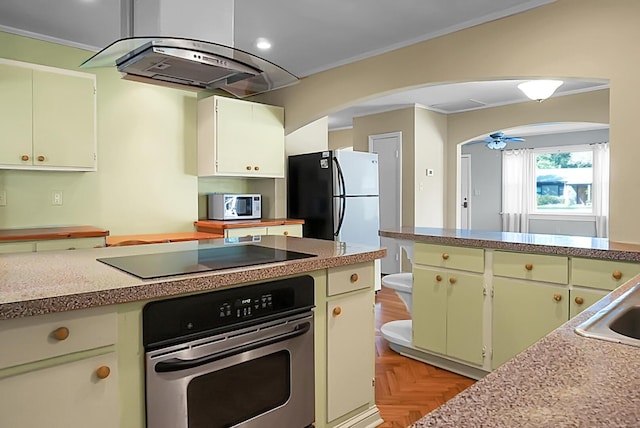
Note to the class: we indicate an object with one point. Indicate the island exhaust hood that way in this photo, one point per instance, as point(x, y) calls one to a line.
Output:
point(191, 64)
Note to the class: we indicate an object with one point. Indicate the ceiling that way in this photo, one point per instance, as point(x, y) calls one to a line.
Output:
point(307, 37)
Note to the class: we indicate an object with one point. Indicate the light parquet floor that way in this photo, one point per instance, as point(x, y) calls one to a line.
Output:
point(407, 389)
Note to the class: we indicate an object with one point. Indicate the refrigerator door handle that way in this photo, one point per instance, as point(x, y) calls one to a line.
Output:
point(341, 197)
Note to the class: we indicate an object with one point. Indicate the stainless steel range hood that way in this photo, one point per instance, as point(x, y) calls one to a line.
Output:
point(191, 64)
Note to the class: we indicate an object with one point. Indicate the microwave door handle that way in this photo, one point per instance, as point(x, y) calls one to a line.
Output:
point(177, 364)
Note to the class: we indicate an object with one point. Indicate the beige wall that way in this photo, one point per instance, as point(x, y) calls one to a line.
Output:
point(340, 139)
point(568, 38)
point(430, 145)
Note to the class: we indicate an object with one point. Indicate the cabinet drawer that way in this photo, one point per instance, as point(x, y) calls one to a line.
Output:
point(245, 231)
point(535, 267)
point(349, 278)
point(70, 244)
point(286, 230)
point(16, 247)
point(580, 299)
point(463, 258)
point(602, 274)
point(64, 396)
point(33, 338)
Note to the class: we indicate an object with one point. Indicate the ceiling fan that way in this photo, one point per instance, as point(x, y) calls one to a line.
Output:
point(498, 140)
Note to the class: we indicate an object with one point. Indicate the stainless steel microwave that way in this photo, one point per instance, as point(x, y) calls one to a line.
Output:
point(230, 206)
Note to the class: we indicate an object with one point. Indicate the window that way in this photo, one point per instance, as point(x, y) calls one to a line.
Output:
point(564, 180)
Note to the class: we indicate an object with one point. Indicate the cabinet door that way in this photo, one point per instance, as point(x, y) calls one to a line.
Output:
point(286, 230)
point(15, 115)
point(581, 299)
point(64, 120)
point(464, 317)
point(267, 135)
point(429, 309)
point(70, 244)
point(234, 140)
point(244, 231)
point(350, 353)
point(66, 396)
point(17, 247)
point(523, 313)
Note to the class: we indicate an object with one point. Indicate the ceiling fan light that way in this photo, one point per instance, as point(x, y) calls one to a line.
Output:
point(539, 90)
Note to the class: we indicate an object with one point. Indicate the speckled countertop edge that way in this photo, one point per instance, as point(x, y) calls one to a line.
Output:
point(576, 246)
point(55, 281)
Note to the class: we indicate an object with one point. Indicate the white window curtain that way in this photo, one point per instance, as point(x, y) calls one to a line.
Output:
point(517, 189)
point(601, 189)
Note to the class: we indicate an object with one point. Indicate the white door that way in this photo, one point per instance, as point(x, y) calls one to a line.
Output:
point(388, 148)
point(465, 192)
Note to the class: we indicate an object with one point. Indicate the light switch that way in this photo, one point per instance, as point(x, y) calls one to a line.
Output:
point(429, 172)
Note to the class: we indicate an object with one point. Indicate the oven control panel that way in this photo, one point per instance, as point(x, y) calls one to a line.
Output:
point(182, 318)
point(244, 308)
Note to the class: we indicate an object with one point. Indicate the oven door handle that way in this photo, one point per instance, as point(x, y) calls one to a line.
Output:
point(177, 364)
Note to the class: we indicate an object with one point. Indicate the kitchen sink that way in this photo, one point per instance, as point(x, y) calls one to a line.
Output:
point(617, 322)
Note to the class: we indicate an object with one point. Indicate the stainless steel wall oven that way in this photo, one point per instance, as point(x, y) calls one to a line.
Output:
point(240, 357)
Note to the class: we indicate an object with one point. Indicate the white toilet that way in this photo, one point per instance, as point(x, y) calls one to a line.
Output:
point(402, 284)
point(398, 332)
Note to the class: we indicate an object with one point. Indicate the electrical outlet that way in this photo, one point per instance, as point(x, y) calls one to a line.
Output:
point(3, 198)
point(56, 197)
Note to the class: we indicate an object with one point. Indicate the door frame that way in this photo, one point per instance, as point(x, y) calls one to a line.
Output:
point(398, 136)
point(463, 170)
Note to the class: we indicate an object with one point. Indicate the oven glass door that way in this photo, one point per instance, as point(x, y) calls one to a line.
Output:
point(242, 391)
point(240, 206)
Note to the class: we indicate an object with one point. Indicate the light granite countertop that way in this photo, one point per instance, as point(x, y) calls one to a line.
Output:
point(577, 246)
point(55, 281)
point(563, 380)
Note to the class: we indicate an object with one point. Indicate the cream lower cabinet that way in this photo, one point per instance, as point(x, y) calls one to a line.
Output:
point(52, 244)
point(69, 395)
point(448, 313)
point(523, 313)
point(581, 299)
point(284, 230)
point(348, 316)
point(60, 370)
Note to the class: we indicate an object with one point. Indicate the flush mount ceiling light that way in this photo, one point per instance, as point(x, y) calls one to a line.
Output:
point(263, 43)
point(539, 90)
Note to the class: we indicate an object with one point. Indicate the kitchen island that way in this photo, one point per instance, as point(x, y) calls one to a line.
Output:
point(63, 312)
point(563, 379)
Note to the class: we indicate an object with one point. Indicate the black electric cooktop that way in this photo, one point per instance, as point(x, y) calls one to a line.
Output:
point(158, 265)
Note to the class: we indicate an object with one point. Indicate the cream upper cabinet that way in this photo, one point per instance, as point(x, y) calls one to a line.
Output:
point(48, 118)
point(240, 138)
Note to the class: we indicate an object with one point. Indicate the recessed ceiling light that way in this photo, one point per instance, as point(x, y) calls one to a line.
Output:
point(263, 43)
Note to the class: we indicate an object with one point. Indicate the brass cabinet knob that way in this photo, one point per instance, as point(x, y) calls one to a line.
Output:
point(528, 266)
point(438, 278)
point(40, 158)
point(286, 233)
point(257, 168)
point(445, 256)
point(616, 274)
point(60, 333)
point(557, 297)
point(579, 300)
point(337, 311)
point(25, 157)
point(248, 167)
point(354, 277)
point(453, 280)
point(103, 372)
